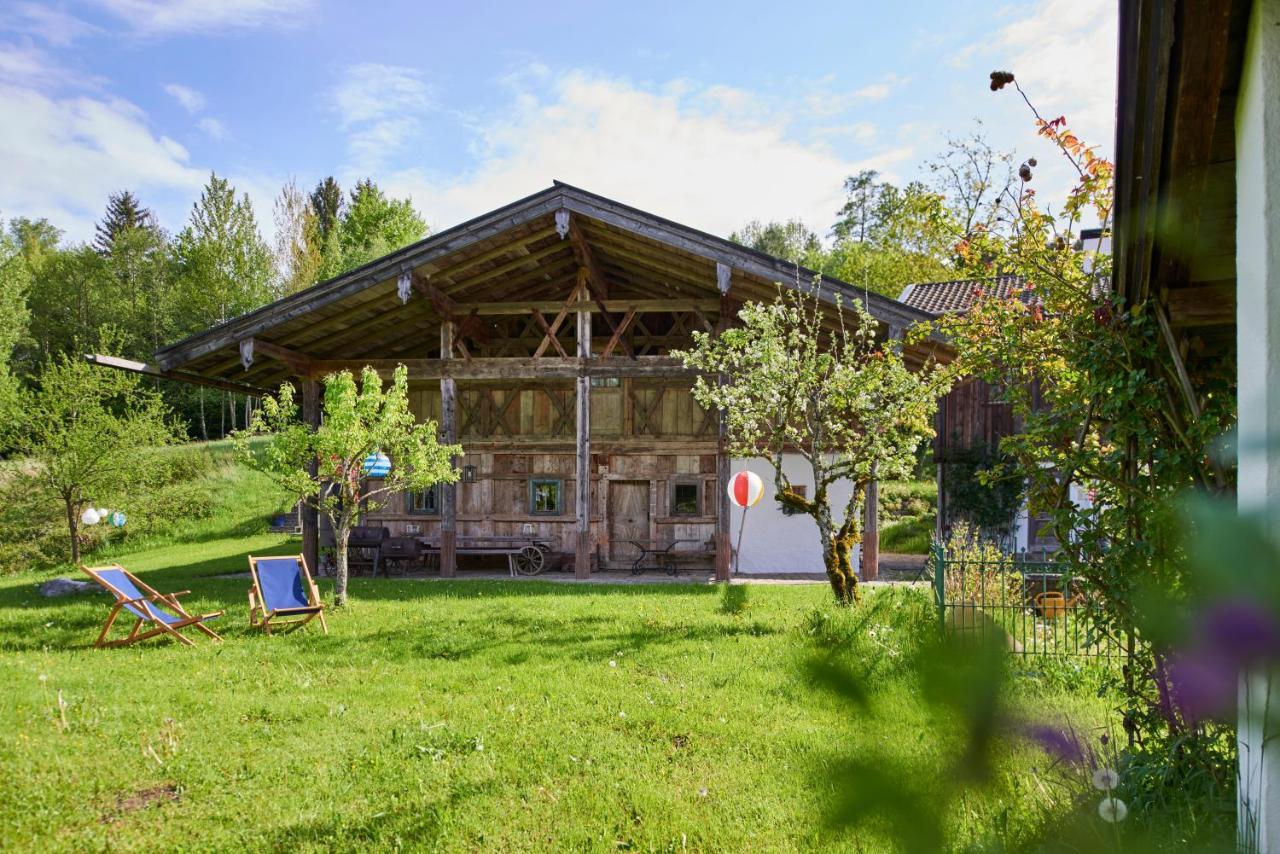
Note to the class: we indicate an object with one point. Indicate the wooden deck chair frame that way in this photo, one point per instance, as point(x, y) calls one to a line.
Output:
point(260, 618)
point(153, 596)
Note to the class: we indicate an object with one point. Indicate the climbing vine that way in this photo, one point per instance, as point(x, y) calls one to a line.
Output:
point(1102, 400)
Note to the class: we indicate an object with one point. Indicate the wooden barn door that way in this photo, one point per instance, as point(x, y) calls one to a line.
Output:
point(628, 518)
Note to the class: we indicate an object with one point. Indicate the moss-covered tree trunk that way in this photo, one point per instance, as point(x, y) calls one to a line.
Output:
point(837, 558)
point(837, 541)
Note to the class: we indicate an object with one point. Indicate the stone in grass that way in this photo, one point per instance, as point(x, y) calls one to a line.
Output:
point(68, 587)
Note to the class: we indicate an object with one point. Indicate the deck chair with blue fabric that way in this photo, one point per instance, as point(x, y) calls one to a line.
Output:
point(148, 606)
point(283, 593)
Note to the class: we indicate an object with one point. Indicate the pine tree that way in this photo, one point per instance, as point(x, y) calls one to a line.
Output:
point(326, 203)
point(124, 213)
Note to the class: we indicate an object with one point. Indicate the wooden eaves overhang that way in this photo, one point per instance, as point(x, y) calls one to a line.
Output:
point(510, 282)
point(1179, 74)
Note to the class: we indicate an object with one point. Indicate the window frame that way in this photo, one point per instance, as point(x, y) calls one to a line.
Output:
point(532, 506)
point(410, 510)
point(697, 497)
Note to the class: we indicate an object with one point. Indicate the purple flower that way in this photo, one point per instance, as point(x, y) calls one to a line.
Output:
point(1240, 632)
point(1063, 745)
point(1203, 686)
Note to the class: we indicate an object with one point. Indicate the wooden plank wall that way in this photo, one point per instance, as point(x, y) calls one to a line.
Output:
point(517, 432)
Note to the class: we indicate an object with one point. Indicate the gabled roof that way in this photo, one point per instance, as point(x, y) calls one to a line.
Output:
point(957, 296)
point(516, 253)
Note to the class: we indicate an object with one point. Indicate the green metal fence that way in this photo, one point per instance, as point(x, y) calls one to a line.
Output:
point(1037, 606)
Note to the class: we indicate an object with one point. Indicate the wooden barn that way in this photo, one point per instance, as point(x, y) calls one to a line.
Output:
point(973, 415)
point(539, 336)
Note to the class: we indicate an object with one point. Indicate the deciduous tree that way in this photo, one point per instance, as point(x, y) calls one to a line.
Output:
point(324, 465)
point(844, 401)
point(84, 429)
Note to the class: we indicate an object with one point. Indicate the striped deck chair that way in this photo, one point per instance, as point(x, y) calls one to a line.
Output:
point(150, 607)
point(282, 587)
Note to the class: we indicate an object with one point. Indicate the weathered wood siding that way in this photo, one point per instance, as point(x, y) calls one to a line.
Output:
point(643, 431)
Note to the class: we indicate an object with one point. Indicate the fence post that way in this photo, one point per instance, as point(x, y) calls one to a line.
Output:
point(940, 584)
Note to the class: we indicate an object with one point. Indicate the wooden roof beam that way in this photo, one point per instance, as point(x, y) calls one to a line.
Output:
point(299, 363)
point(532, 367)
point(150, 370)
point(597, 282)
point(440, 301)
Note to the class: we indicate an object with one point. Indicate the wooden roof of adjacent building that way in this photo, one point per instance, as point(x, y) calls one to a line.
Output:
point(1179, 75)
point(522, 258)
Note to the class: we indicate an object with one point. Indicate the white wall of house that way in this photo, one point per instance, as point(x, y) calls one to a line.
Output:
point(1258, 348)
point(773, 542)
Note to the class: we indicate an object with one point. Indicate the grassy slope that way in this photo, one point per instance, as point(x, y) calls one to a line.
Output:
point(910, 533)
point(459, 714)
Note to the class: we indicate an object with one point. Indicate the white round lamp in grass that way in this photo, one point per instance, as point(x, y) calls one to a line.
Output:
point(745, 490)
point(377, 464)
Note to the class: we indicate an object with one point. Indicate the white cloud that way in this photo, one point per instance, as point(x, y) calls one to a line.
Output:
point(1063, 53)
point(52, 25)
point(822, 103)
point(684, 151)
point(160, 17)
point(189, 99)
point(370, 91)
point(1064, 56)
point(214, 128)
point(381, 106)
point(63, 156)
point(29, 66)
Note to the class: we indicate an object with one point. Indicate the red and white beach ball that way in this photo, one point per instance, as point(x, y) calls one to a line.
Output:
point(746, 489)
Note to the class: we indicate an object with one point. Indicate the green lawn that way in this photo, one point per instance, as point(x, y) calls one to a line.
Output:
point(465, 715)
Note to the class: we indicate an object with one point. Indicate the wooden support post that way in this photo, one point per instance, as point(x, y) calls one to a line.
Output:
point(582, 556)
point(310, 518)
point(448, 491)
point(871, 533)
point(723, 543)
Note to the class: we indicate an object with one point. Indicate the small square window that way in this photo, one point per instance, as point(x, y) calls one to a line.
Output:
point(546, 496)
point(684, 499)
point(423, 502)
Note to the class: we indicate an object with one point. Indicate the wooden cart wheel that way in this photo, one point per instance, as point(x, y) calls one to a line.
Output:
point(530, 561)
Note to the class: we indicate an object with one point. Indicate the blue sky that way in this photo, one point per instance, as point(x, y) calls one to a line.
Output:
point(709, 114)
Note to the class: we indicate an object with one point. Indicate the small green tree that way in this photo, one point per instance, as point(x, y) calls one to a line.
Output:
point(324, 466)
point(846, 403)
point(85, 429)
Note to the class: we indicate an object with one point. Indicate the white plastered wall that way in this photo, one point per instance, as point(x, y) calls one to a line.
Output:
point(1258, 347)
point(772, 542)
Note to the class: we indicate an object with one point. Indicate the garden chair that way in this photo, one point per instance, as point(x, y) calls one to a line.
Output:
point(149, 606)
point(283, 587)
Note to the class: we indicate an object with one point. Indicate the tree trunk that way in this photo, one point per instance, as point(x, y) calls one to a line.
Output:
point(341, 534)
point(73, 526)
point(836, 552)
point(204, 428)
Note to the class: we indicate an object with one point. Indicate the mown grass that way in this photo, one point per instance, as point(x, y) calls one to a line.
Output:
point(467, 715)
